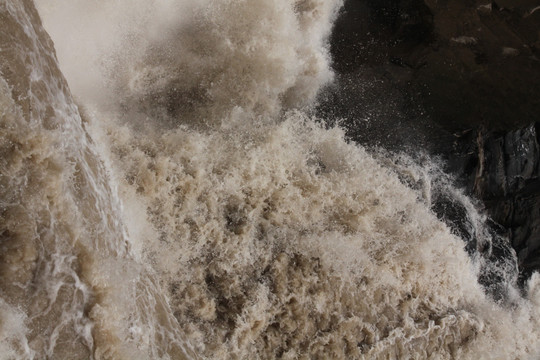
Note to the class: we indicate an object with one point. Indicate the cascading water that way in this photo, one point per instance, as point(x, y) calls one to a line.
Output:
point(247, 229)
point(70, 286)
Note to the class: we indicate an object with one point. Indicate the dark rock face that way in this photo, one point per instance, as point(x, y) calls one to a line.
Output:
point(508, 181)
point(459, 78)
point(468, 62)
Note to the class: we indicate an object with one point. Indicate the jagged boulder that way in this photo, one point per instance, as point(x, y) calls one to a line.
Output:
point(508, 180)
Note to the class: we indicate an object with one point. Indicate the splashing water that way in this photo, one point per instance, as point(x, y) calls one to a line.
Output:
point(69, 286)
point(248, 230)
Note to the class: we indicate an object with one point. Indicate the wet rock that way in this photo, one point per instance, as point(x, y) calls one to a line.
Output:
point(508, 181)
point(468, 62)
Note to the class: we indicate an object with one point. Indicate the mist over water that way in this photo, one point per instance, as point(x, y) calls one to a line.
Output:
point(198, 210)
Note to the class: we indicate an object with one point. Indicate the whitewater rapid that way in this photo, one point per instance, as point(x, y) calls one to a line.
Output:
point(191, 206)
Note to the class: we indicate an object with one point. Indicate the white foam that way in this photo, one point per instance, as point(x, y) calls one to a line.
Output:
point(272, 236)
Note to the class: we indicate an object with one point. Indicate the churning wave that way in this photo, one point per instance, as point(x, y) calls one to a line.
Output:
point(197, 209)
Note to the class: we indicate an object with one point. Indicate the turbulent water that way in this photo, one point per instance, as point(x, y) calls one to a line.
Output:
point(191, 206)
